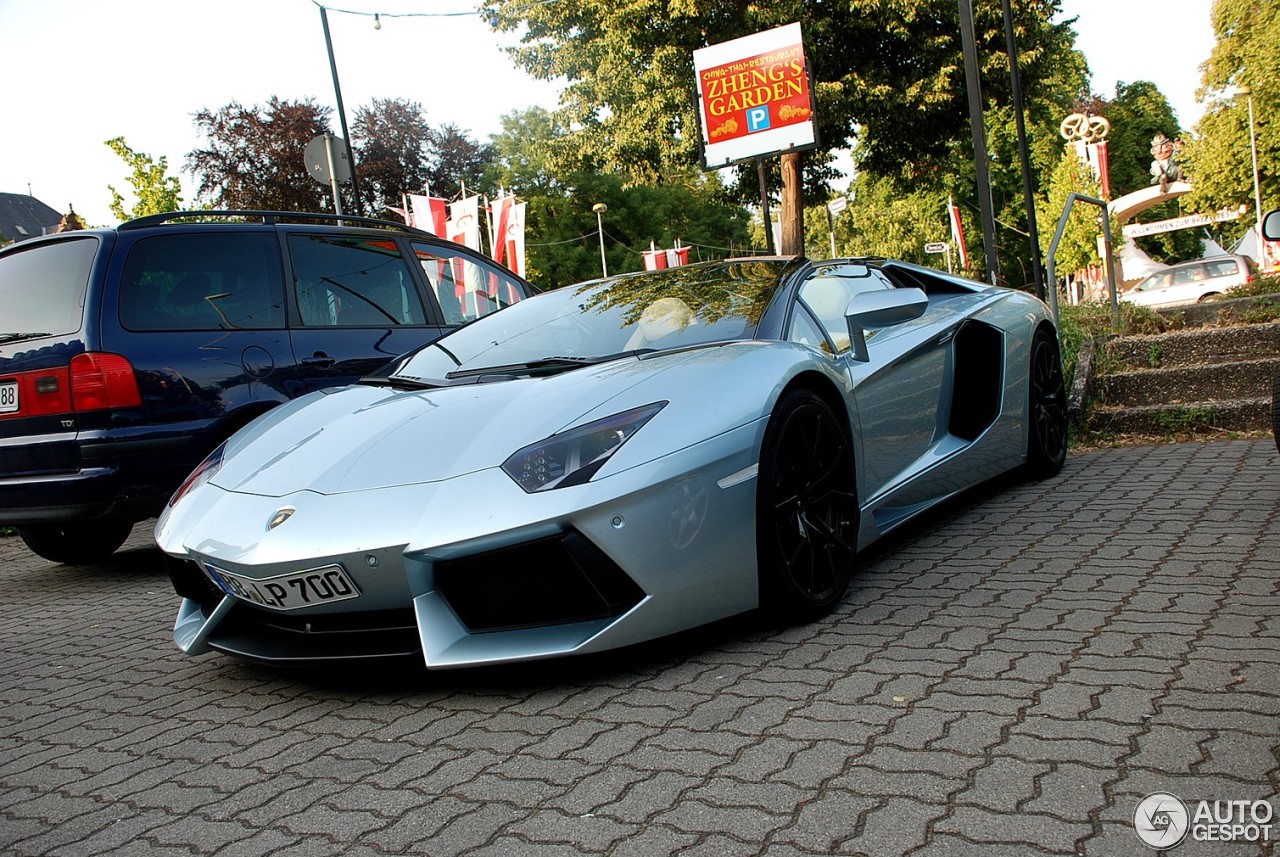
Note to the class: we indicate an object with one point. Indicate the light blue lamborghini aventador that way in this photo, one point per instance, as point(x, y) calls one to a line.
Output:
point(612, 462)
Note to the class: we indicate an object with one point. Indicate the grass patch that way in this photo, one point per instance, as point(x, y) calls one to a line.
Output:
point(1185, 419)
point(1082, 322)
point(1267, 284)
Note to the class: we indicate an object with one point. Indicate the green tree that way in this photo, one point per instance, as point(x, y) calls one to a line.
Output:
point(885, 221)
point(1078, 248)
point(563, 244)
point(1138, 113)
point(1219, 159)
point(888, 73)
point(154, 192)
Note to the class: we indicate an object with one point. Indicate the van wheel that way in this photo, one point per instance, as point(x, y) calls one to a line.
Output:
point(1208, 296)
point(76, 542)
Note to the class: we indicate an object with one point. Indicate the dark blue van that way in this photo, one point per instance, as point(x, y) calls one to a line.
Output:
point(128, 354)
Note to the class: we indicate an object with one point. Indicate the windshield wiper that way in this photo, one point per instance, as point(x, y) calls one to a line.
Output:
point(405, 381)
point(18, 337)
point(545, 364)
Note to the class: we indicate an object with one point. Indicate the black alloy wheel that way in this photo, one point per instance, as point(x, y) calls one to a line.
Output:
point(76, 542)
point(807, 509)
point(1047, 409)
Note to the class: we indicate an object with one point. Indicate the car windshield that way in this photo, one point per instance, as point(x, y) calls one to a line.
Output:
point(602, 320)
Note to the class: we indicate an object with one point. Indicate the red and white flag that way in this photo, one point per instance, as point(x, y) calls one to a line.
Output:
point(464, 222)
point(654, 259)
point(506, 217)
point(957, 233)
point(428, 214)
point(515, 238)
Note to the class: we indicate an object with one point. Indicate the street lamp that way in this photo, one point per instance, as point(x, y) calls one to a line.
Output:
point(600, 208)
point(1243, 89)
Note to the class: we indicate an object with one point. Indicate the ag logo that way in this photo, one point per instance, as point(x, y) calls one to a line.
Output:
point(1161, 820)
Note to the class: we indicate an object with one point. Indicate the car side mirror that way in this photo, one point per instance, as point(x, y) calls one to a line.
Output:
point(877, 309)
point(1271, 225)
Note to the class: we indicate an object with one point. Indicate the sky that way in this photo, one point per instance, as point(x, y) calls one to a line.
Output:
point(80, 72)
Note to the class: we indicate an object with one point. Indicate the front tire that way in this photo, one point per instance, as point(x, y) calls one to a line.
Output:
point(76, 542)
point(1046, 409)
point(806, 509)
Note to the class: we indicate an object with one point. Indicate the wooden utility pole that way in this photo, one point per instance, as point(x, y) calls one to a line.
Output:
point(792, 205)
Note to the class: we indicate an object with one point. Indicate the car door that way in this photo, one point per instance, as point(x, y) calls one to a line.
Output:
point(898, 392)
point(199, 314)
point(356, 304)
point(361, 300)
point(1190, 283)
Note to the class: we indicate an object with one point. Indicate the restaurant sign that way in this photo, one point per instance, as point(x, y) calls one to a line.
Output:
point(754, 97)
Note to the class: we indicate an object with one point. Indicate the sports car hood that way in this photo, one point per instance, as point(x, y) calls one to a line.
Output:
point(363, 437)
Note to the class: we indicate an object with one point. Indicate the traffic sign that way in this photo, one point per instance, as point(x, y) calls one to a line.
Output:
point(936, 247)
point(321, 153)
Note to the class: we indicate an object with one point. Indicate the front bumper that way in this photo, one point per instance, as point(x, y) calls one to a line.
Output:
point(475, 571)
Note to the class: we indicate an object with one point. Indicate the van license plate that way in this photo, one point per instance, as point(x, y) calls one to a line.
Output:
point(8, 397)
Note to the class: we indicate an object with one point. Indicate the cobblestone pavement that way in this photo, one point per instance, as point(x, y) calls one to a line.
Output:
point(1009, 677)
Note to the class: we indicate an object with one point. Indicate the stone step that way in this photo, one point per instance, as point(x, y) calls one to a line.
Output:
point(1236, 415)
point(1243, 379)
point(1196, 345)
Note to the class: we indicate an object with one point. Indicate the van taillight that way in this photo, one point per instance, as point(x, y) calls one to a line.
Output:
point(103, 381)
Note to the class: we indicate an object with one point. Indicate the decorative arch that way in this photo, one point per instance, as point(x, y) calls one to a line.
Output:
point(1131, 205)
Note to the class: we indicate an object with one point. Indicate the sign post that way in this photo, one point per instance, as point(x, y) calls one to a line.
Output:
point(940, 247)
point(834, 207)
point(328, 166)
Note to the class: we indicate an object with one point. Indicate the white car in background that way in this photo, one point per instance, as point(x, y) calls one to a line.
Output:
point(1191, 282)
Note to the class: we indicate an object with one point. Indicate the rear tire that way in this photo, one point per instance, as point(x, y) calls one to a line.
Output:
point(76, 542)
point(1046, 409)
point(806, 509)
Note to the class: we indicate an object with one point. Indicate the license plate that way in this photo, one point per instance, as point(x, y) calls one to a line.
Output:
point(326, 585)
point(8, 397)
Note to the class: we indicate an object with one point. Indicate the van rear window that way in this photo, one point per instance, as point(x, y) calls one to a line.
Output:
point(42, 287)
point(1223, 268)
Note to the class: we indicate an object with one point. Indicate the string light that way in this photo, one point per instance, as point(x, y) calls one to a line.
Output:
point(377, 16)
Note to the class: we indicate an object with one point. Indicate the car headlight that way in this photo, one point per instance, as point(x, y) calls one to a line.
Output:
point(573, 457)
point(204, 471)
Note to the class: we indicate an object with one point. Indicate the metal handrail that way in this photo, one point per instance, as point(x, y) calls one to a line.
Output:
point(1106, 239)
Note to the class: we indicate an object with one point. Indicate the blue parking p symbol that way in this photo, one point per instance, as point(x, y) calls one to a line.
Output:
point(757, 119)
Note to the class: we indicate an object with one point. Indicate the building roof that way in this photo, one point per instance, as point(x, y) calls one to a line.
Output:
point(23, 216)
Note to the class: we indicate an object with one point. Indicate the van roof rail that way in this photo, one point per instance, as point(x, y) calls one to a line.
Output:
point(267, 217)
